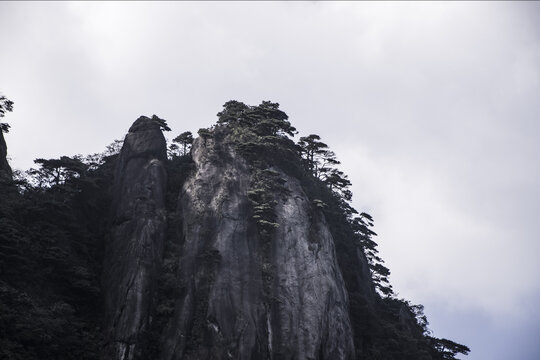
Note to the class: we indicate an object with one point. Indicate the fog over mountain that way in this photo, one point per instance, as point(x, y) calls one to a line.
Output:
point(432, 108)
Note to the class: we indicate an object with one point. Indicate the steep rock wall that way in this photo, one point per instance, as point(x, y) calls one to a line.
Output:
point(5, 169)
point(311, 315)
point(134, 248)
point(222, 313)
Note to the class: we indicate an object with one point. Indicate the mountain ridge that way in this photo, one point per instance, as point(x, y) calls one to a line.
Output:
point(244, 247)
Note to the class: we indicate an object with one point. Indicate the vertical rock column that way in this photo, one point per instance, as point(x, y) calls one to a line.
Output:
point(5, 169)
point(133, 251)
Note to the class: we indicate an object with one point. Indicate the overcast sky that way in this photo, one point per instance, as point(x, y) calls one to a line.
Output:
point(433, 109)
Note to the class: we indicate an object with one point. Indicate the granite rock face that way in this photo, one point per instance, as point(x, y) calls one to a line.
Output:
point(134, 249)
point(236, 297)
point(226, 309)
point(5, 169)
point(311, 313)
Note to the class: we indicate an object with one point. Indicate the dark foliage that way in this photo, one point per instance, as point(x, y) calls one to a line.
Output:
point(185, 140)
point(50, 250)
point(6, 105)
point(161, 122)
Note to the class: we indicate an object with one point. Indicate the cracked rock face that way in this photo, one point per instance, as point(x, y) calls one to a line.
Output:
point(134, 248)
point(222, 312)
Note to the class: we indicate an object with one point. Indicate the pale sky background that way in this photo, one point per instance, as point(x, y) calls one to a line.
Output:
point(433, 109)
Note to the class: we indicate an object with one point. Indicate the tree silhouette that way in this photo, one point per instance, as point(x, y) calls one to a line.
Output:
point(338, 182)
point(232, 112)
point(6, 105)
point(380, 274)
point(185, 140)
point(161, 122)
point(321, 161)
point(448, 349)
point(55, 172)
point(313, 152)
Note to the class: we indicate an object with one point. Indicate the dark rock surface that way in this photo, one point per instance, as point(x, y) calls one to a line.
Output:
point(222, 312)
point(5, 169)
point(134, 249)
point(311, 310)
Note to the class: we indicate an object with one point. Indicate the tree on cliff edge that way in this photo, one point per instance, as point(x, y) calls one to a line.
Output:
point(185, 139)
point(5, 106)
point(161, 122)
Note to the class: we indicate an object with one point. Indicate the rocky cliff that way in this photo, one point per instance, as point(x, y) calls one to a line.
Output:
point(134, 248)
point(240, 249)
point(225, 311)
point(264, 260)
point(238, 299)
point(5, 169)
